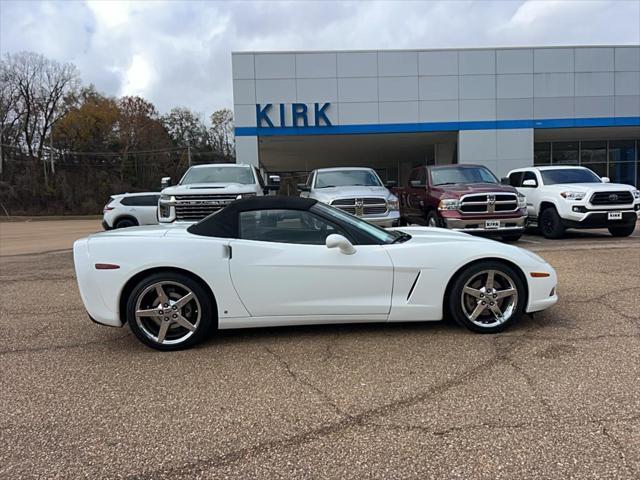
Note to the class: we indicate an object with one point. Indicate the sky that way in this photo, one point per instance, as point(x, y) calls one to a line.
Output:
point(179, 53)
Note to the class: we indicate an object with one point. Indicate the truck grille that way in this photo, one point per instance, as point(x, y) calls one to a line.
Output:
point(489, 203)
point(362, 206)
point(611, 198)
point(196, 207)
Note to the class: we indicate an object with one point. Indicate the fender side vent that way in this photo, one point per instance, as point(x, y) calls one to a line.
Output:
point(415, 281)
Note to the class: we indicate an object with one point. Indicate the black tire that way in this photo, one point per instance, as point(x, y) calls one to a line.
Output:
point(550, 224)
point(200, 311)
point(622, 231)
point(433, 220)
point(512, 237)
point(125, 222)
point(402, 222)
point(513, 306)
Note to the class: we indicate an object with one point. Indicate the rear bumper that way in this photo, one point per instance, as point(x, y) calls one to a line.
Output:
point(105, 225)
point(508, 224)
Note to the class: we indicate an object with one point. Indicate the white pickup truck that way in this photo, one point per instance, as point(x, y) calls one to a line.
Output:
point(561, 197)
point(205, 189)
point(356, 190)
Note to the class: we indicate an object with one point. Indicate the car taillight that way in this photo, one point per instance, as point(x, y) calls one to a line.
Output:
point(107, 208)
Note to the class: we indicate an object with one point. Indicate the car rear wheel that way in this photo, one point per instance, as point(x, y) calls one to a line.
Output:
point(170, 311)
point(622, 231)
point(487, 296)
point(551, 224)
point(126, 222)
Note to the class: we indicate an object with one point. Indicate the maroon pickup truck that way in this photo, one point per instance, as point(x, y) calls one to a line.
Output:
point(468, 198)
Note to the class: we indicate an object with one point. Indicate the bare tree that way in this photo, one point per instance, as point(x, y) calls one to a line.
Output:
point(38, 87)
point(221, 133)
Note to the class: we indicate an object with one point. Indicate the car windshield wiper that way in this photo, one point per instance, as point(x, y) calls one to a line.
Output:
point(403, 237)
point(327, 186)
point(446, 183)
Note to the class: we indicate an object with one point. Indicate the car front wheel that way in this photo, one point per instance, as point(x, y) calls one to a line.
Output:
point(551, 224)
point(433, 220)
point(170, 311)
point(622, 231)
point(486, 297)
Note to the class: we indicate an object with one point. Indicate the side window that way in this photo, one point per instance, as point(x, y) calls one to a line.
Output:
point(529, 175)
point(140, 201)
point(285, 226)
point(515, 179)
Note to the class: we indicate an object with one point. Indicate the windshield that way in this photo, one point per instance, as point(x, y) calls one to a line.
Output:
point(384, 236)
point(569, 175)
point(218, 174)
point(347, 178)
point(451, 175)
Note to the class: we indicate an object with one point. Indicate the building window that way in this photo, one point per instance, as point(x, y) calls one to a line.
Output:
point(622, 161)
point(565, 153)
point(542, 153)
point(593, 155)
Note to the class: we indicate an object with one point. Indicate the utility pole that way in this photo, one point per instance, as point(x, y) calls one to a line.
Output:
point(189, 152)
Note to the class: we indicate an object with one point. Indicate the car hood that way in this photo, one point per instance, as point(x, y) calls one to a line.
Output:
point(439, 234)
point(591, 187)
point(333, 193)
point(209, 189)
point(459, 189)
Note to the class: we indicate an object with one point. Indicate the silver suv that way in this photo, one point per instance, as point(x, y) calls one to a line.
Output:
point(356, 190)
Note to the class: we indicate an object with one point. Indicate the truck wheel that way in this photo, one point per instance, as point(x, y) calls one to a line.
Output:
point(513, 237)
point(487, 296)
point(622, 231)
point(433, 220)
point(551, 224)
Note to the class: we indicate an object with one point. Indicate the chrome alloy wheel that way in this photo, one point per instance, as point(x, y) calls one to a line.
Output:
point(168, 312)
point(489, 298)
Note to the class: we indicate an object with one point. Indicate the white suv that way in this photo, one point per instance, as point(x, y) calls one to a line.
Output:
point(130, 209)
point(561, 197)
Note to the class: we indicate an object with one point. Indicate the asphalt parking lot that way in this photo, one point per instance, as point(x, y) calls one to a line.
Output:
point(556, 396)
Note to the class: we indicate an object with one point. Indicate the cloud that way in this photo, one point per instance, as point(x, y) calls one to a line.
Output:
point(179, 53)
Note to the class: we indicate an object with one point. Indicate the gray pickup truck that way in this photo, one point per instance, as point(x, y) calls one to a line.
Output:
point(356, 190)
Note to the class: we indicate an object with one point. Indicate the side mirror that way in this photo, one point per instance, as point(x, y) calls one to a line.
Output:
point(391, 183)
point(605, 179)
point(303, 187)
point(505, 181)
point(338, 241)
point(530, 183)
point(416, 184)
point(274, 179)
point(165, 182)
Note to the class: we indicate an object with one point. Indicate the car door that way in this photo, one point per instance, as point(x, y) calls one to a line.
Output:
point(532, 193)
point(414, 201)
point(146, 209)
point(280, 266)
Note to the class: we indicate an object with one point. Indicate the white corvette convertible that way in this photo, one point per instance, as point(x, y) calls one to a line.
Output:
point(269, 261)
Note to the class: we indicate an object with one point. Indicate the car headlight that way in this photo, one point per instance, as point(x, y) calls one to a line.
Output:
point(522, 201)
point(572, 195)
point(167, 199)
point(393, 203)
point(449, 204)
point(636, 194)
point(245, 195)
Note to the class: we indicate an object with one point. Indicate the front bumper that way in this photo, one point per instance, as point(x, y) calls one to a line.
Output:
point(599, 219)
point(470, 225)
point(391, 219)
point(542, 291)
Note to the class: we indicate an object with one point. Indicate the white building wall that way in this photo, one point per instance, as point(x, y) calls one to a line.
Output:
point(377, 89)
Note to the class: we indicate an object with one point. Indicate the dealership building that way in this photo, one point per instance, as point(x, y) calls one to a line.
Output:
point(393, 110)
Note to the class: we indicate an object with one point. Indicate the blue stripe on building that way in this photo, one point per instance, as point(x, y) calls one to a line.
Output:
point(438, 126)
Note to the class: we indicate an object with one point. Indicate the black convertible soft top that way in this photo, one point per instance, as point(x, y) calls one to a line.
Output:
point(224, 223)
